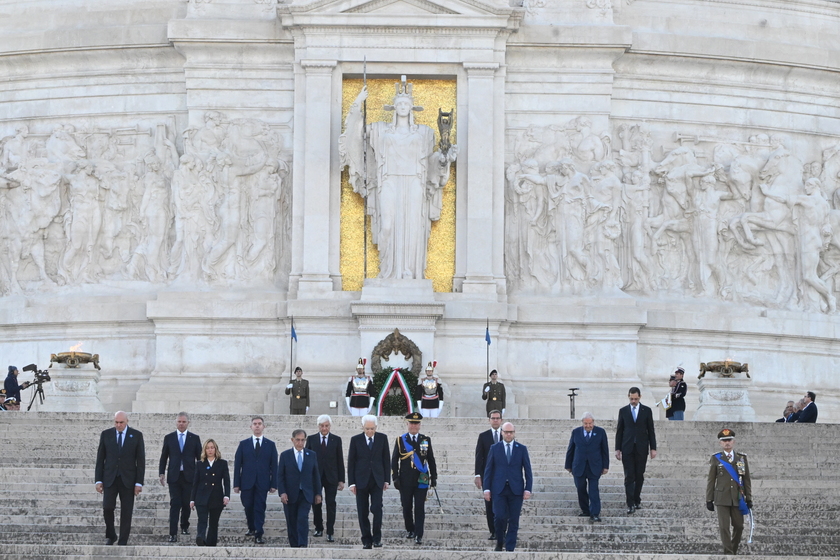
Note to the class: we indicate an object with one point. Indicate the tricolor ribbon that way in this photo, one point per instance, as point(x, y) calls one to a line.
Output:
point(396, 376)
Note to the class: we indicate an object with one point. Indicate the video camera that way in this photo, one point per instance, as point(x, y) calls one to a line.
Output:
point(41, 375)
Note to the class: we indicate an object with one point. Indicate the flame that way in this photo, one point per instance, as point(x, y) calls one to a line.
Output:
point(76, 348)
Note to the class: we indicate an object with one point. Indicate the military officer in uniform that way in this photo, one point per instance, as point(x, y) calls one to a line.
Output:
point(729, 489)
point(429, 393)
point(359, 393)
point(299, 391)
point(494, 393)
point(414, 471)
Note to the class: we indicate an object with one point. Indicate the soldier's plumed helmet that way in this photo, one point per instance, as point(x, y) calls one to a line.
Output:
point(725, 434)
point(413, 417)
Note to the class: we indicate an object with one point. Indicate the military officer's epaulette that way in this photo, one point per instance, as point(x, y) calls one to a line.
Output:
point(739, 453)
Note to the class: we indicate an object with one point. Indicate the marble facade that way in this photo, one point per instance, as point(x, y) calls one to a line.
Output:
point(640, 184)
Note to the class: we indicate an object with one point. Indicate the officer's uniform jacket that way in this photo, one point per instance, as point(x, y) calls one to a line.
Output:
point(402, 466)
point(721, 488)
point(495, 397)
point(299, 392)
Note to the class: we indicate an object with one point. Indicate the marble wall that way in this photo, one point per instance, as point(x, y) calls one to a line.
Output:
point(640, 184)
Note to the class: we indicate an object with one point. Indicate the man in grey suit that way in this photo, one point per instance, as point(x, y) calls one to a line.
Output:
point(120, 469)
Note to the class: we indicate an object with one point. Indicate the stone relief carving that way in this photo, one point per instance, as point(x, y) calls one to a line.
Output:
point(397, 343)
point(744, 221)
point(88, 206)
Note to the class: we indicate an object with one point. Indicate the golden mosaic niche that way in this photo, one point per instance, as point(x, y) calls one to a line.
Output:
point(440, 262)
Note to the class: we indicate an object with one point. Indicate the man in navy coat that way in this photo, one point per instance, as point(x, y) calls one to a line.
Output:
point(255, 476)
point(587, 458)
point(369, 475)
point(181, 449)
point(507, 481)
point(327, 448)
point(808, 414)
point(299, 485)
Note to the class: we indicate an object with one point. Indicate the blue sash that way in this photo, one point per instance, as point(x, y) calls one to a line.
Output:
point(742, 504)
point(423, 481)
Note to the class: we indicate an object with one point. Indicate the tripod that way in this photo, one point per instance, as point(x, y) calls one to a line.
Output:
point(39, 390)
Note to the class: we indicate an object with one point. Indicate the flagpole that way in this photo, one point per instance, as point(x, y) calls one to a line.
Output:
point(291, 341)
point(364, 160)
point(487, 338)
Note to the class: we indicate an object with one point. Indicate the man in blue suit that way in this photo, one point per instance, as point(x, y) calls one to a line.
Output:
point(255, 476)
point(587, 458)
point(181, 449)
point(808, 414)
point(299, 485)
point(507, 481)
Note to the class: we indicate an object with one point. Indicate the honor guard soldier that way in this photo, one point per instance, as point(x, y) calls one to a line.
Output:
point(429, 393)
point(359, 394)
point(414, 471)
point(494, 393)
point(299, 391)
point(729, 489)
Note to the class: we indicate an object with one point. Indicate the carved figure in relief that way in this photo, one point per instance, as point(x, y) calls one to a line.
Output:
point(116, 212)
point(405, 176)
point(534, 223)
point(570, 205)
point(604, 223)
point(82, 224)
point(15, 149)
point(192, 200)
point(62, 146)
point(151, 258)
point(830, 174)
point(705, 236)
point(262, 215)
point(637, 209)
point(586, 146)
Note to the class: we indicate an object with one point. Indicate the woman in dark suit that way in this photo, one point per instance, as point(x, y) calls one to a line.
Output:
point(210, 492)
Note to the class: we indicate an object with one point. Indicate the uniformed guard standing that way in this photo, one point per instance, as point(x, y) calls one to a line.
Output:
point(414, 471)
point(494, 393)
point(429, 393)
point(729, 488)
point(299, 391)
point(360, 390)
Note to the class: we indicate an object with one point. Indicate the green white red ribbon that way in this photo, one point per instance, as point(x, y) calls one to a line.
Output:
point(396, 376)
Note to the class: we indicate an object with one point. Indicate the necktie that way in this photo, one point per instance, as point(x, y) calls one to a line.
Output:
point(495, 436)
point(370, 443)
point(508, 452)
point(634, 414)
point(257, 447)
point(324, 443)
point(414, 440)
point(300, 460)
point(181, 441)
point(588, 434)
point(119, 439)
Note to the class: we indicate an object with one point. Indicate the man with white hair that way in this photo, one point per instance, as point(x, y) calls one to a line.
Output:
point(587, 458)
point(369, 475)
point(327, 448)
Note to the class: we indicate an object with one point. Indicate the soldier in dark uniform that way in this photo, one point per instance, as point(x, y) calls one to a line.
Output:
point(359, 392)
point(429, 393)
point(729, 489)
point(678, 392)
point(299, 391)
point(414, 471)
point(494, 393)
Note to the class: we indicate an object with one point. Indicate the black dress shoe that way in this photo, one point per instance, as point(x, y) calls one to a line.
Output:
point(250, 533)
point(173, 538)
point(330, 538)
point(499, 548)
point(367, 545)
point(109, 542)
point(631, 509)
point(377, 544)
point(185, 531)
point(638, 506)
point(595, 518)
point(199, 541)
point(410, 535)
point(492, 537)
point(418, 541)
point(122, 543)
point(318, 534)
point(581, 514)
point(259, 540)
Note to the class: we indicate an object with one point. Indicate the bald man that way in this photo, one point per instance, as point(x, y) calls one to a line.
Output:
point(120, 469)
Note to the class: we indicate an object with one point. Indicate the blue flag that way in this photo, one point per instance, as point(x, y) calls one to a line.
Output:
point(294, 334)
point(487, 336)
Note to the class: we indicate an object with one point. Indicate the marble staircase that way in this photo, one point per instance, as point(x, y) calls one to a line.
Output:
point(50, 508)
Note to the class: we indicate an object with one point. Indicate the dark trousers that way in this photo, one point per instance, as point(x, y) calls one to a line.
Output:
point(179, 504)
point(589, 499)
point(109, 504)
point(491, 519)
point(634, 460)
point(369, 500)
point(506, 509)
point(209, 534)
point(329, 493)
point(297, 521)
point(730, 515)
point(253, 501)
point(413, 500)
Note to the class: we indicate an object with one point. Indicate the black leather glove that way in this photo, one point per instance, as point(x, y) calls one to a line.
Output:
point(397, 483)
point(710, 506)
point(433, 483)
point(749, 505)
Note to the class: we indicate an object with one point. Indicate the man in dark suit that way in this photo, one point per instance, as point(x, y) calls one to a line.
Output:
point(120, 470)
point(414, 471)
point(587, 458)
point(182, 449)
point(507, 481)
point(327, 448)
point(808, 415)
point(299, 485)
point(788, 413)
point(482, 449)
point(633, 437)
point(255, 476)
point(368, 475)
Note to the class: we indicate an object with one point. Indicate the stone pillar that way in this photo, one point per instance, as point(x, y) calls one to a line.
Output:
point(481, 130)
point(316, 130)
point(725, 399)
point(71, 390)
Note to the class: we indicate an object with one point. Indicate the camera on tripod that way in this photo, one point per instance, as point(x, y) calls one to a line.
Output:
point(41, 376)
